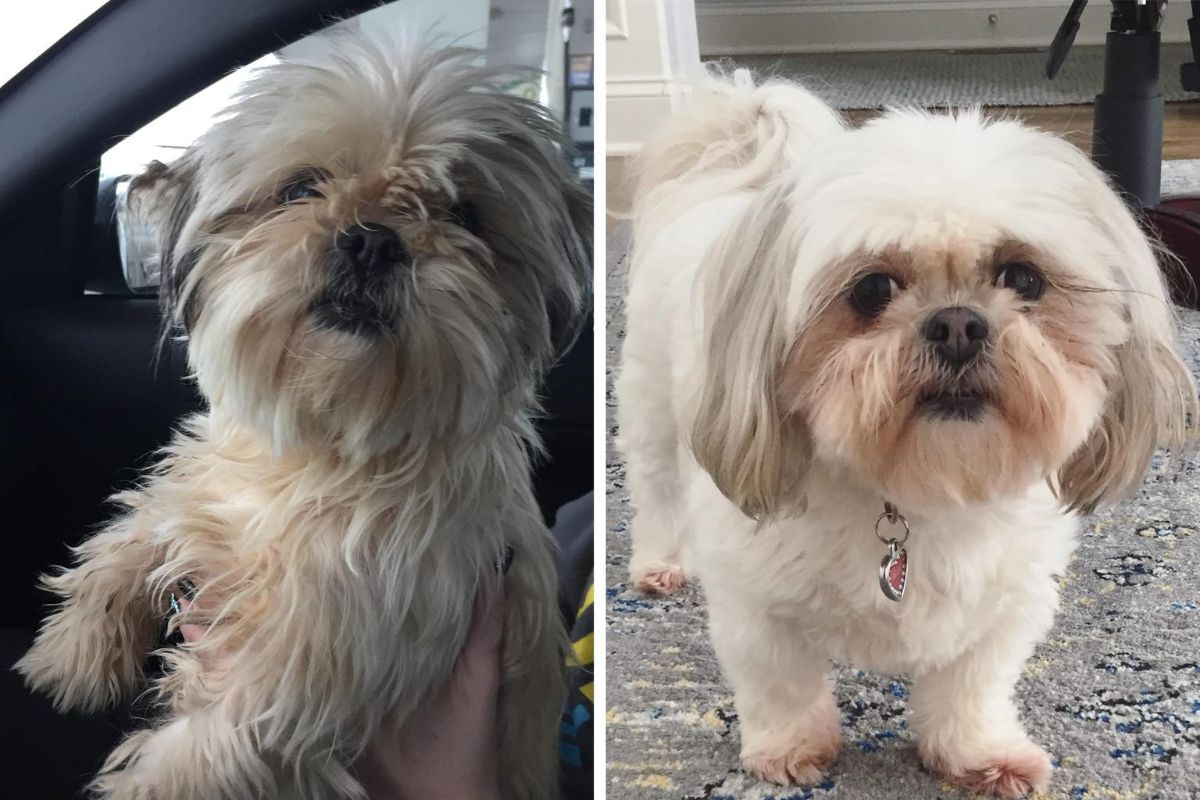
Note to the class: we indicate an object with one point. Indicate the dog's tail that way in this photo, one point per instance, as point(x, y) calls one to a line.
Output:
point(733, 135)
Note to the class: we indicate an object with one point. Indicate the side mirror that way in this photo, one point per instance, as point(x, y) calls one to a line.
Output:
point(138, 242)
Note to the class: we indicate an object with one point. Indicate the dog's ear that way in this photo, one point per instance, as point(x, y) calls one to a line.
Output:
point(1150, 402)
point(524, 143)
point(164, 197)
point(756, 453)
point(568, 305)
point(1151, 394)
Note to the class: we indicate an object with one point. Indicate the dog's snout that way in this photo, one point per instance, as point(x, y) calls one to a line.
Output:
point(371, 247)
point(957, 334)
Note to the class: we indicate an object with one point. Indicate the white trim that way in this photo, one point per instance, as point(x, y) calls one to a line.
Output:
point(643, 87)
point(647, 73)
point(680, 41)
point(616, 20)
point(727, 27)
point(622, 149)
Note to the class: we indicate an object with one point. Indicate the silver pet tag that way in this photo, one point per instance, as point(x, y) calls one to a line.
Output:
point(893, 569)
point(893, 572)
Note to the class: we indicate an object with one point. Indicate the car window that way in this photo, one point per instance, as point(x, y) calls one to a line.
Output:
point(508, 32)
point(26, 34)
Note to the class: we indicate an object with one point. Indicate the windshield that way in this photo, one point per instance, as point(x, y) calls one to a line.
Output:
point(28, 33)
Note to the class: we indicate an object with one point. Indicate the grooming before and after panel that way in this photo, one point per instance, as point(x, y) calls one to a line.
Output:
point(297, 420)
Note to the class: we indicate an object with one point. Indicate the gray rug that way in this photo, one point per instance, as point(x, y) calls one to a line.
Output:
point(1113, 693)
point(1013, 78)
point(1181, 178)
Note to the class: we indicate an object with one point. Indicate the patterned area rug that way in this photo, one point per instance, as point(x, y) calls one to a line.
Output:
point(990, 78)
point(1113, 693)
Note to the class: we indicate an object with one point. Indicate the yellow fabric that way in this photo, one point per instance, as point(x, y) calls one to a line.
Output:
point(582, 651)
point(588, 599)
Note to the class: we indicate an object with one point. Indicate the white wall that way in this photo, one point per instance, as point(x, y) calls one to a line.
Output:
point(651, 49)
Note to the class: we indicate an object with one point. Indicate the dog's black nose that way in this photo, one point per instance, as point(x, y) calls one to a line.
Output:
point(372, 247)
point(957, 334)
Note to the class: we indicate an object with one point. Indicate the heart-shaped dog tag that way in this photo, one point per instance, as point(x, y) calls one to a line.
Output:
point(893, 572)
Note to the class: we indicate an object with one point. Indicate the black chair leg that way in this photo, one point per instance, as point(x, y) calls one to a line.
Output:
point(1128, 123)
point(1189, 74)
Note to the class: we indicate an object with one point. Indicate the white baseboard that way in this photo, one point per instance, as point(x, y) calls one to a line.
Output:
point(634, 110)
point(768, 27)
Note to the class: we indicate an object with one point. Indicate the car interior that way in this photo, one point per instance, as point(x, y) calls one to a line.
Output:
point(84, 399)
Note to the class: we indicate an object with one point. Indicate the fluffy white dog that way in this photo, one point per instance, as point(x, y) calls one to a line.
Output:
point(373, 259)
point(934, 323)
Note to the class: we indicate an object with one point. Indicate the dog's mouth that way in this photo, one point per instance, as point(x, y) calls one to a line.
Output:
point(360, 316)
point(964, 403)
point(359, 295)
point(358, 303)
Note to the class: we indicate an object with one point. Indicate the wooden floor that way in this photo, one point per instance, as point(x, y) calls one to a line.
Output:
point(1181, 125)
point(1181, 137)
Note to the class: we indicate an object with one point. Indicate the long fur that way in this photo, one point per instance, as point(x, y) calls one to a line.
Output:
point(766, 421)
point(347, 493)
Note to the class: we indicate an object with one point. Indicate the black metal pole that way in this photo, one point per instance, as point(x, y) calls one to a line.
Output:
point(568, 24)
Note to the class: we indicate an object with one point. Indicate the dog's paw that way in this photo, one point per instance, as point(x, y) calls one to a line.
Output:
point(58, 666)
point(800, 758)
point(90, 652)
point(660, 580)
point(801, 767)
point(1012, 772)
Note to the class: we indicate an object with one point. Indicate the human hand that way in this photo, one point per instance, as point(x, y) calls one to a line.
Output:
point(447, 747)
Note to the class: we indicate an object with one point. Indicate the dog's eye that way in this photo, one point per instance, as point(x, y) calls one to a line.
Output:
point(872, 293)
point(1023, 279)
point(465, 215)
point(302, 188)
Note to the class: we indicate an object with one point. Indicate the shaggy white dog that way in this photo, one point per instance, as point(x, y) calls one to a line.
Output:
point(934, 323)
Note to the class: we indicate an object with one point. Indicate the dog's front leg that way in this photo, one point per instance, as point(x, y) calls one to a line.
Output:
point(789, 720)
point(258, 710)
point(91, 649)
point(650, 440)
point(965, 716)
